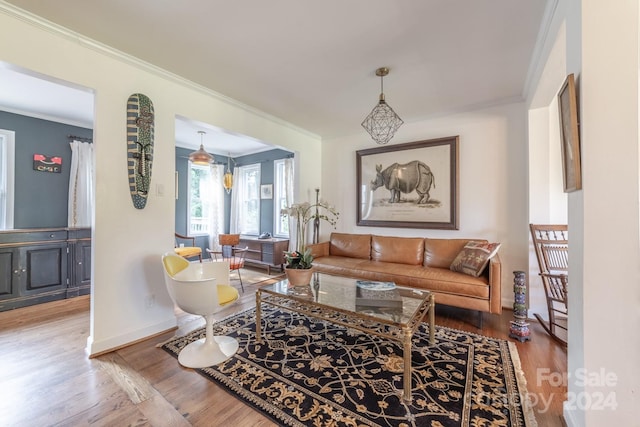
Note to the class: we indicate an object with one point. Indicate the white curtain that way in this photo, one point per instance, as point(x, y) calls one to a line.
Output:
point(289, 187)
point(236, 200)
point(216, 210)
point(80, 212)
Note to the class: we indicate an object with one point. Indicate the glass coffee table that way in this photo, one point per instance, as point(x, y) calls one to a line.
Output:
point(394, 314)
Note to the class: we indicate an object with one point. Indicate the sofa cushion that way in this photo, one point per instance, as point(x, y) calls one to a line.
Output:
point(443, 280)
point(441, 252)
point(474, 257)
point(402, 250)
point(339, 265)
point(350, 245)
point(428, 278)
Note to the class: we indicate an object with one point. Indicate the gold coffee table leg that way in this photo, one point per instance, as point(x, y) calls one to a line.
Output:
point(258, 318)
point(406, 341)
point(432, 323)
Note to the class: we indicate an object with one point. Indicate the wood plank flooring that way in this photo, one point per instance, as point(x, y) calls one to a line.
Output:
point(47, 379)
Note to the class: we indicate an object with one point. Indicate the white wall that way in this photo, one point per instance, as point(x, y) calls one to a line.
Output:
point(493, 197)
point(127, 242)
point(608, 212)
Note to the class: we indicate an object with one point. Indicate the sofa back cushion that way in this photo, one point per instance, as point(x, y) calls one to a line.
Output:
point(441, 252)
point(401, 250)
point(350, 245)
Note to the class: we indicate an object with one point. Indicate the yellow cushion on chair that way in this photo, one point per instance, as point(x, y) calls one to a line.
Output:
point(188, 251)
point(174, 265)
point(227, 294)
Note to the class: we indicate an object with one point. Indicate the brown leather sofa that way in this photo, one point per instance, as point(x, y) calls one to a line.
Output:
point(414, 262)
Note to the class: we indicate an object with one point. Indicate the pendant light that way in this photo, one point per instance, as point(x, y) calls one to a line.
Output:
point(382, 122)
point(201, 157)
point(227, 178)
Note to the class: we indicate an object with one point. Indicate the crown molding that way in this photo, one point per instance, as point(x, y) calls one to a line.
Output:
point(58, 30)
point(538, 58)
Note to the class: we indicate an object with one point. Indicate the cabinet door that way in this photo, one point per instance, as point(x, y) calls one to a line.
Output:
point(81, 270)
point(8, 264)
point(43, 268)
point(279, 249)
point(267, 253)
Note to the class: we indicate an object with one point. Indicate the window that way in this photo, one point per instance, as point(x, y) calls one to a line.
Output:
point(7, 157)
point(199, 199)
point(249, 199)
point(281, 223)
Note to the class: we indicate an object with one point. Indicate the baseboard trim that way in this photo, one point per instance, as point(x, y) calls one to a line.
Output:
point(95, 349)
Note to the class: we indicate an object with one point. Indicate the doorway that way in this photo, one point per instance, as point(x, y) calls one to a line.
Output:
point(40, 117)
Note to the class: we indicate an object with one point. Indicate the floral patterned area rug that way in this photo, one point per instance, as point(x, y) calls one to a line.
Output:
point(307, 372)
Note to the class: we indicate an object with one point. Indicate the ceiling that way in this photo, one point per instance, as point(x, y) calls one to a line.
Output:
point(313, 63)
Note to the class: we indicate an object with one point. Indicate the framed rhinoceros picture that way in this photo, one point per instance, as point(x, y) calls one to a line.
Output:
point(413, 185)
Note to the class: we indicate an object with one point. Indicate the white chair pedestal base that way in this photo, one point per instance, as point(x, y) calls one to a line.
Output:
point(208, 351)
point(203, 353)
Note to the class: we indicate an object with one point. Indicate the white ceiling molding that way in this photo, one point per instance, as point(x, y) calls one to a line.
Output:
point(97, 46)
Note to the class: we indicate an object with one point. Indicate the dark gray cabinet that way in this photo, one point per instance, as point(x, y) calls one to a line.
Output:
point(41, 265)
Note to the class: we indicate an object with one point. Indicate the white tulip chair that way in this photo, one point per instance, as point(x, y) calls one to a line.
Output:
point(203, 289)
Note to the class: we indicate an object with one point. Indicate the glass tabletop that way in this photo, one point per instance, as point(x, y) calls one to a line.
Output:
point(398, 305)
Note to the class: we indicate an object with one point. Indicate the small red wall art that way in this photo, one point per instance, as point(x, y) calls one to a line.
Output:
point(44, 163)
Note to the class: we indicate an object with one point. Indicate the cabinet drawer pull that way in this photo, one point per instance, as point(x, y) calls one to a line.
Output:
point(51, 235)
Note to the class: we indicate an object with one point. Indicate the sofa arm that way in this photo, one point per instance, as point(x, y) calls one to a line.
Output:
point(319, 249)
point(495, 285)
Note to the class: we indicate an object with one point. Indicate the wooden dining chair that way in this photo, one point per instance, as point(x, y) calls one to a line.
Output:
point(231, 253)
point(185, 251)
point(551, 243)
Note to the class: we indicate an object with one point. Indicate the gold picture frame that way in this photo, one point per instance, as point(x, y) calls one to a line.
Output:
point(569, 135)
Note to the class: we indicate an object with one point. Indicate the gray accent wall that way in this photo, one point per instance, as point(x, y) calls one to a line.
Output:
point(41, 198)
point(266, 177)
point(265, 159)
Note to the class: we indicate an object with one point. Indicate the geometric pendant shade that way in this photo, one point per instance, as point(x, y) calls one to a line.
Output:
point(382, 122)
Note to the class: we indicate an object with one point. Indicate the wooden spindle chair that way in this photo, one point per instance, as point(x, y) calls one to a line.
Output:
point(551, 243)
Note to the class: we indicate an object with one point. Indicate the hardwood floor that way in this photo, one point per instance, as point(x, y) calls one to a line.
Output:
point(47, 378)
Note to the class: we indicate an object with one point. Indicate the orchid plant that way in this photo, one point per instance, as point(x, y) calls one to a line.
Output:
point(304, 213)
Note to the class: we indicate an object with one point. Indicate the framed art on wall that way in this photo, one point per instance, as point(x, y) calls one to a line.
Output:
point(266, 191)
point(569, 135)
point(413, 185)
point(44, 163)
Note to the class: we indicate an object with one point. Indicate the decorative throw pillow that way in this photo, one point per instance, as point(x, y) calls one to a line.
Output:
point(474, 257)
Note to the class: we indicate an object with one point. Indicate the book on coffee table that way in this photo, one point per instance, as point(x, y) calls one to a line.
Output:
point(375, 285)
point(378, 298)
